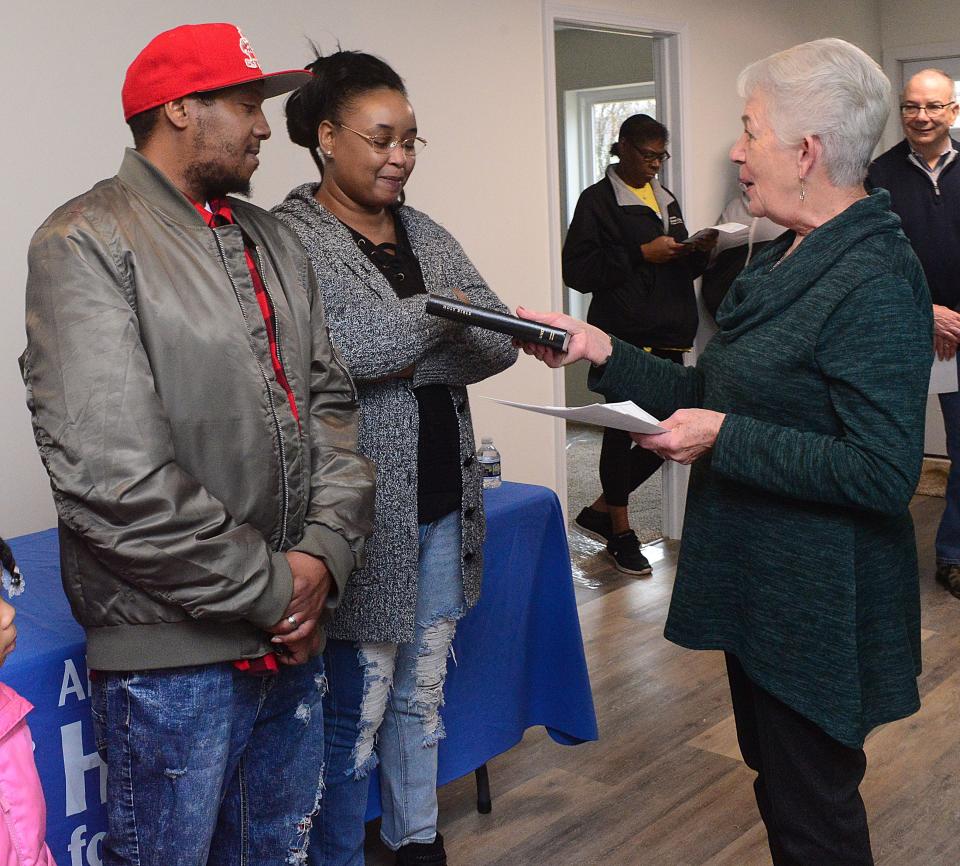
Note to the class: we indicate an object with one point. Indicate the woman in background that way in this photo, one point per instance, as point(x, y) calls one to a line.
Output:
point(803, 420)
point(624, 246)
point(389, 638)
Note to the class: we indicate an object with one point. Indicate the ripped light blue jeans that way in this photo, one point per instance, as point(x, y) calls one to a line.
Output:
point(383, 706)
point(208, 766)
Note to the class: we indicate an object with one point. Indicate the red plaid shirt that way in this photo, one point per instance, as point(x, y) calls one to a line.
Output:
point(223, 214)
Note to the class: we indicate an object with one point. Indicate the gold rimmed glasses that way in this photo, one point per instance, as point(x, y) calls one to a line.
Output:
point(383, 144)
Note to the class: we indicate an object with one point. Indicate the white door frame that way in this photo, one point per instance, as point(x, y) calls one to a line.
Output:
point(672, 78)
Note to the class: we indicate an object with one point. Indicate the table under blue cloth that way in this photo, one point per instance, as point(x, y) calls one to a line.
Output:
point(519, 663)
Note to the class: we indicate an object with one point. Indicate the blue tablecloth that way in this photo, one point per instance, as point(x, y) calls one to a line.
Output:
point(519, 663)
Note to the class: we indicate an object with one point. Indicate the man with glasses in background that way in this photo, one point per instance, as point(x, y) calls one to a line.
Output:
point(924, 184)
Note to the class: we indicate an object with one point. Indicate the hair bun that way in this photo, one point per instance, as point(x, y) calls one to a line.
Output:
point(298, 129)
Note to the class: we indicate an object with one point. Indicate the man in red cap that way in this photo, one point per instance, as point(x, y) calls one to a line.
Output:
point(199, 432)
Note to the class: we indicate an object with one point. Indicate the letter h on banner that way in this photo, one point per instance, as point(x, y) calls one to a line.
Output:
point(76, 764)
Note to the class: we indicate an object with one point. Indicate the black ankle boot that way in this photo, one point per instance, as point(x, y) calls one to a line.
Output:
point(422, 853)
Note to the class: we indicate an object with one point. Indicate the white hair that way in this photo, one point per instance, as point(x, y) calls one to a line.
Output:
point(830, 89)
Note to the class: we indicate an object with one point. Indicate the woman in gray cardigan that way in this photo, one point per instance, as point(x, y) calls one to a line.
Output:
point(375, 259)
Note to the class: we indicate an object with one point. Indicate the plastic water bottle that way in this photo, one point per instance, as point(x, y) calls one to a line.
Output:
point(489, 459)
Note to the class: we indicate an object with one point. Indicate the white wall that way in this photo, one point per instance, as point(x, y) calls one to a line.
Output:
point(476, 77)
point(918, 22)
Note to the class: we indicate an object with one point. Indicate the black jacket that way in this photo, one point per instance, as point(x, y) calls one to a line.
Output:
point(930, 216)
point(642, 303)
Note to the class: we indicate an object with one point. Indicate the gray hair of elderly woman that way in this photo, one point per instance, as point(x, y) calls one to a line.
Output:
point(830, 89)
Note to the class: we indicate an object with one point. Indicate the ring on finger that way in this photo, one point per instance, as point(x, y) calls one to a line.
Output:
point(292, 620)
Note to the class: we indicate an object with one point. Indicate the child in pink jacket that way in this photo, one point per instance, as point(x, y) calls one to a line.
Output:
point(24, 813)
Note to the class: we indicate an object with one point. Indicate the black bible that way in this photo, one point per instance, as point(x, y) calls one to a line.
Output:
point(523, 329)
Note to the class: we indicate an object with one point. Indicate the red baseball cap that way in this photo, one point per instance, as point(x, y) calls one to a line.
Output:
point(196, 58)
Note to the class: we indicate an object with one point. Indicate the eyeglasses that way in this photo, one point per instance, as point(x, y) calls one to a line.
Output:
point(660, 156)
point(933, 109)
point(383, 145)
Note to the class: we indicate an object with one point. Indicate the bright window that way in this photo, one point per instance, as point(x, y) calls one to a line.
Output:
point(605, 121)
point(600, 111)
point(593, 119)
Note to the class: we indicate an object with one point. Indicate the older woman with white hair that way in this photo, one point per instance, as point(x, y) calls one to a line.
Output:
point(804, 423)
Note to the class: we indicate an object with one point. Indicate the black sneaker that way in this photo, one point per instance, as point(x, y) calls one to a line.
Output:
point(625, 550)
point(594, 523)
point(422, 853)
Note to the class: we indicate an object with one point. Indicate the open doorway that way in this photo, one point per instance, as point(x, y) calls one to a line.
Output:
point(603, 75)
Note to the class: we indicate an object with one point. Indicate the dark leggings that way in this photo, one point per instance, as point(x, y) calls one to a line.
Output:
point(807, 785)
point(623, 465)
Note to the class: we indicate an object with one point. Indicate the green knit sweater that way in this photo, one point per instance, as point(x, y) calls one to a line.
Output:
point(798, 552)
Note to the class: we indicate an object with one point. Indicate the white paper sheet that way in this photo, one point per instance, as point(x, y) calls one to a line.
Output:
point(730, 228)
point(621, 416)
point(943, 377)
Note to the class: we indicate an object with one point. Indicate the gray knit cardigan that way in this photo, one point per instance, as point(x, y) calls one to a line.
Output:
point(378, 334)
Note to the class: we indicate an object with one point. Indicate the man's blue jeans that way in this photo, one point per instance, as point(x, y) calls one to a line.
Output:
point(209, 765)
point(948, 535)
point(384, 707)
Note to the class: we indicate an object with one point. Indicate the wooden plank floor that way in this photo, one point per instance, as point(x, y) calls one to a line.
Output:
point(665, 786)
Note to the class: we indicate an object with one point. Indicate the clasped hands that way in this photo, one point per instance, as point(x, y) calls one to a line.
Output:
point(297, 631)
point(690, 432)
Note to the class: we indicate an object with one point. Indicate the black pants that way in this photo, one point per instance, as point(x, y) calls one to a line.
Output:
point(808, 784)
point(623, 465)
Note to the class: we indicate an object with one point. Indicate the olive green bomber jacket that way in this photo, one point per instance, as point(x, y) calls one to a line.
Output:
point(179, 473)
